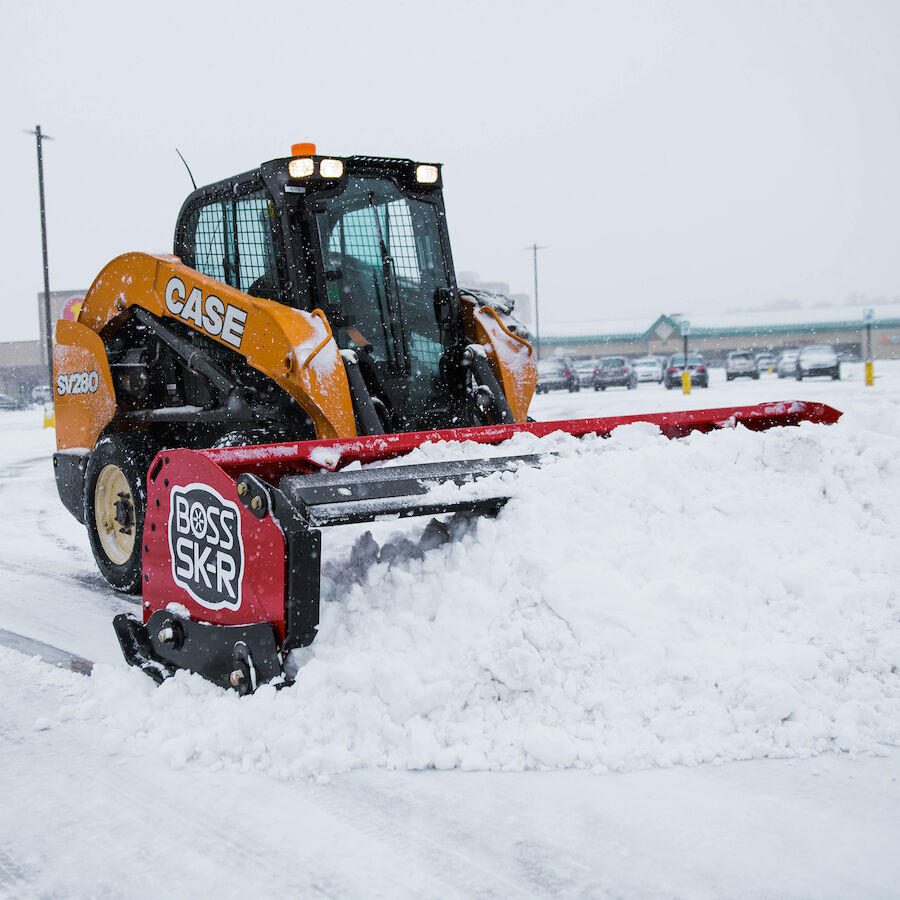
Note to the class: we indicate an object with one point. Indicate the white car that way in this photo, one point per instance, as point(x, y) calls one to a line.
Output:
point(818, 359)
point(42, 394)
point(648, 368)
point(585, 372)
point(740, 364)
point(787, 364)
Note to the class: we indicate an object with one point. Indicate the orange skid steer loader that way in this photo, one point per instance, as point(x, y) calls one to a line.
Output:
point(207, 402)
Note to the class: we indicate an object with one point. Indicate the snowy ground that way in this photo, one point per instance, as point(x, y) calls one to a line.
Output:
point(665, 669)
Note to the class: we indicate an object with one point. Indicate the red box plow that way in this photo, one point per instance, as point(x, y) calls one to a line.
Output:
point(232, 537)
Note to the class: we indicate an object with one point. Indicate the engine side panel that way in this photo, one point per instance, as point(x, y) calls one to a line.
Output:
point(294, 348)
point(82, 385)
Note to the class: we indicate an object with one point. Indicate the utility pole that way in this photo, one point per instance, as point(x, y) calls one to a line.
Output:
point(537, 321)
point(40, 138)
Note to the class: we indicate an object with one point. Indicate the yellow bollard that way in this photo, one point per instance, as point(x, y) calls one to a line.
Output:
point(686, 381)
point(49, 417)
point(870, 374)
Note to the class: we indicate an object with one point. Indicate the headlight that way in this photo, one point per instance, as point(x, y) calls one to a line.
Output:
point(301, 168)
point(331, 168)
point(426, 174)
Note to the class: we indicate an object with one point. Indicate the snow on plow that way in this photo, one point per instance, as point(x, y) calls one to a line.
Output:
point(232, 537)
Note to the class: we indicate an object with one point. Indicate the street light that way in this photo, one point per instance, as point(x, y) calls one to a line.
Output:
point(537, 321)
point(40, 138)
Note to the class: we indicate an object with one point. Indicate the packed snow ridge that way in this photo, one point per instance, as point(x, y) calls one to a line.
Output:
point(639, 602)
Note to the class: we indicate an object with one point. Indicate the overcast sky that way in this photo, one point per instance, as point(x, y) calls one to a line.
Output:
point(673, 157)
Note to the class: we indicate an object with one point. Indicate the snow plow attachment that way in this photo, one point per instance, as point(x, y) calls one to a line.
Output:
point(232, 539)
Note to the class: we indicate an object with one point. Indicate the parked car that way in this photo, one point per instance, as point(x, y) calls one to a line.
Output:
point(818, 359)
point(42, 394)
point(695, 365)
point(614, 371)
point(7, 402)
point(585, 371)
point(555, 374)
point(787, 363)
point(648, 368)
point(765, 362)
point(740, 364)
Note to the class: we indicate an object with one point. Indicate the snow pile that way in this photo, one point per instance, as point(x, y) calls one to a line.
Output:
point(640, 602)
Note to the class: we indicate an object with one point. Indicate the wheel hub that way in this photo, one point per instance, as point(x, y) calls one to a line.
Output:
point(114, 514)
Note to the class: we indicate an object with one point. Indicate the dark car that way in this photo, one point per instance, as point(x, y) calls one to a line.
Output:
point(695, 365)
point(614, 371)
point(818, 359)
point(555, 374)
point(7, 402)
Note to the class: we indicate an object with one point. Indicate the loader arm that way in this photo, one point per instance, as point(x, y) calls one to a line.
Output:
point(293, 348)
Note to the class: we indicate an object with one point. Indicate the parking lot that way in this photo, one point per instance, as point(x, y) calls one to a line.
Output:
point(649, 397)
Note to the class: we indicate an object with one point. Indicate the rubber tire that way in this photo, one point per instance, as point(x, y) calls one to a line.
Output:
point(132, 454)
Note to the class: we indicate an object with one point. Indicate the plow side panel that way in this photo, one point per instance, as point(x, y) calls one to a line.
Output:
point(204, 550)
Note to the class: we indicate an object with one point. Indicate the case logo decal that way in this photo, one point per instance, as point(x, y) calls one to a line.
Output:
point(205, 546)
point(77, 383)
point(209, 314)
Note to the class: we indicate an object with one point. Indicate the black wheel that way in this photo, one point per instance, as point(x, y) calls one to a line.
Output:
point(115, 501)
point(596, 387)
point(836, 376)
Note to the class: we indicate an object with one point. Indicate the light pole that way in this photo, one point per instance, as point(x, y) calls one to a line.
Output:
point(537, 321)
point(40, 138)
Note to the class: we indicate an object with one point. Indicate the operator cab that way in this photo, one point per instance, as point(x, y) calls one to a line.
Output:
point(362, 238)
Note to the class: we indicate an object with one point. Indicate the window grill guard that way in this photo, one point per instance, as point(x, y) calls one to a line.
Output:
point(233, 243)
point(253, 237)
point(209, 241)
point(356, 234)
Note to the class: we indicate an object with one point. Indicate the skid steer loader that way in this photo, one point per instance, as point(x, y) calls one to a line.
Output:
point(208, 402)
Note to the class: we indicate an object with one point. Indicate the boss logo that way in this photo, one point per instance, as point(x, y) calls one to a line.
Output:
point(205, 546)
point(77, 383)
point(209, 314)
